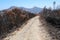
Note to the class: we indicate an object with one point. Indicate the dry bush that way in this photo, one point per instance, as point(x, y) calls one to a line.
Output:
point(52, 17)
point(13, 19)
point(50, 20)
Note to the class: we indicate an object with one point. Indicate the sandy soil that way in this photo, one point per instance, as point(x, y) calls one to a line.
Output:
point(33, 30)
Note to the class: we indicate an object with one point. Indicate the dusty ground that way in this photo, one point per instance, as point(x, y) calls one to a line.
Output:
point(33, 30)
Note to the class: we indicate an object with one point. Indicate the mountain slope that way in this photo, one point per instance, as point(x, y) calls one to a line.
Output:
point(32, 10)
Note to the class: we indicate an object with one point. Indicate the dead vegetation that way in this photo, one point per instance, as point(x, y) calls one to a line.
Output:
point(52, 17)
point(12, 19)
point(52, 22)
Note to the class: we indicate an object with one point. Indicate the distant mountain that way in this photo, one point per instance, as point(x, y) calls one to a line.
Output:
point(32, 10)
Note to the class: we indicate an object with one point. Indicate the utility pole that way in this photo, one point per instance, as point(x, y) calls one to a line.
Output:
point(54, 4)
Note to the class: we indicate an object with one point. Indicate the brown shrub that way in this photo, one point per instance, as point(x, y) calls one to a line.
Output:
point(13, 19)
point(52, 17)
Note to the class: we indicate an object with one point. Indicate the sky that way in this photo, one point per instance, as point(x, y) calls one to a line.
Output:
point(4, 4)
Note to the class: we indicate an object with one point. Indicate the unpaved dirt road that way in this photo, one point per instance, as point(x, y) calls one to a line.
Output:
point(31, 31)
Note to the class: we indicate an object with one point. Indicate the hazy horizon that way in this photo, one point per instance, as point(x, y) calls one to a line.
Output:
point(27, 3)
